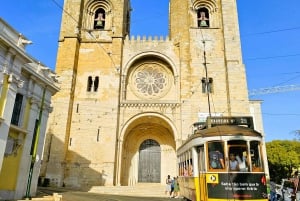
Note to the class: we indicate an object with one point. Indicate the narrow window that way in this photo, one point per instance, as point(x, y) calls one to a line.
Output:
point(98, 135)
point(238, 156)
point(96, 83)
point(17, 109)
point(90, 83)
point(203, 17)
point(207, 85)
point(34, 136)
point(99, 20)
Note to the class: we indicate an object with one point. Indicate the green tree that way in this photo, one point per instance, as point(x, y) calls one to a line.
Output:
point(283, 158)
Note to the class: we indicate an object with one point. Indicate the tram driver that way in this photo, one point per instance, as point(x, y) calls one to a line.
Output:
point(216, 159)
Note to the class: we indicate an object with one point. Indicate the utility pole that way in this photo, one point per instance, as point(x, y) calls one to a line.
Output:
point(206, 79)
point(35, 145)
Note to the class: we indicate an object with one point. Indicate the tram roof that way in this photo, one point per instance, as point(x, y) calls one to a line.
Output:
point(226, 130)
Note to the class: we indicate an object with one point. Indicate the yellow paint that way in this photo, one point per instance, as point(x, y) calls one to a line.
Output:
point(236, 200)
point(197, 187)
point(202, 187)
point(212, 178)
point(10, 168)
point(3, 94)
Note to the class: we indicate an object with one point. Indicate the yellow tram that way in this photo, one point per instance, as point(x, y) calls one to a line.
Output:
point(223, 162)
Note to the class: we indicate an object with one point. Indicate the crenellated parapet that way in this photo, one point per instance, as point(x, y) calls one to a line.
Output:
point(154, 39)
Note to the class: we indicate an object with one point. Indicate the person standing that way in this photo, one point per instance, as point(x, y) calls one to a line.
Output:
point(272, 190)
point(176, 188)
point(168, 185)
point(295, 181)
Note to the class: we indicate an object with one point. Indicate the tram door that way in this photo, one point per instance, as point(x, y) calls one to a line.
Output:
point(149, 162)
point(202, 173)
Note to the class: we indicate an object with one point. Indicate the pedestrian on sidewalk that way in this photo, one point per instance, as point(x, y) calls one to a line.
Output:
point(176, 188)
point(168, 185)
point(295, 181)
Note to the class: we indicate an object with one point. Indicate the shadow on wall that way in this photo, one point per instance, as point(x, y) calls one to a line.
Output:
point(78, 171)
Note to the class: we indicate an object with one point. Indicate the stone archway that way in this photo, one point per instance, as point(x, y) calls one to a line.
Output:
point(154, 135)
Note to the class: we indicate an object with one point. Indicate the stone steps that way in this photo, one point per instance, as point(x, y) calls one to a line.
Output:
point(141, 189)
point(54, 197)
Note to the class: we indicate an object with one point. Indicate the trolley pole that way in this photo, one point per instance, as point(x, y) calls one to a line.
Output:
point(206, 80)
point(35, 146)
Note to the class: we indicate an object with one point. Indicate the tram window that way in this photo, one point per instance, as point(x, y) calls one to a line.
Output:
point(185, 171)
point(216, 155)
point(181, 168)
point(255, 155)
point(190, 167)
point(238, 148)
point(201, 159)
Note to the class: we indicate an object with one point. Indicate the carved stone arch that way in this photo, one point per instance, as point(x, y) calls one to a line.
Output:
point(206, 5)
point(164, 120)
point(149, 76)
point(153, 54)
point(209, 4)
point(92, 8)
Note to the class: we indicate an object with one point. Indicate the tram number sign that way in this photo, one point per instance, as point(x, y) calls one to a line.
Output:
point(239, 121)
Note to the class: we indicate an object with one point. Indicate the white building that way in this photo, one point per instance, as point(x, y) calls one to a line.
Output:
point(26, 88)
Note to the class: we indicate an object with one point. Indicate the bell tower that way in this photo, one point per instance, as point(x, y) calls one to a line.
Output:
point(88, 63)
point(207, 35)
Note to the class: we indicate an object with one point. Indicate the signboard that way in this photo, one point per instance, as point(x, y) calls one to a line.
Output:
point(240, 186)
point(237, 121)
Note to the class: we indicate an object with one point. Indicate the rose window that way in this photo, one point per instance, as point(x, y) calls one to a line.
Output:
point(150, 80)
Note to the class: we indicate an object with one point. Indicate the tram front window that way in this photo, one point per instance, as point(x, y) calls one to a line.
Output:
point(216, 155)
point(255, 155)
point(238, 149)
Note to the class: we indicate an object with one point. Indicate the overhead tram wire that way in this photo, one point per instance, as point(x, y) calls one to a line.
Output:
point(272, 57)
point(270, 32)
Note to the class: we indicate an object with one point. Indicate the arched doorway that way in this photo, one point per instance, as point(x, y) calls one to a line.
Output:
point(149, 162)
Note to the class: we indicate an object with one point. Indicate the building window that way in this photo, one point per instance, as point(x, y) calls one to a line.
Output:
point(96, 83)
point(36, 125)
point(203, 17)
point(207, 85)
point(93, 84)
point(17, 110)
point(99, 19)
point(90, 83)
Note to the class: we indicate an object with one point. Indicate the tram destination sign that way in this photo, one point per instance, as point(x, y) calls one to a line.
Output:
point(238, 121)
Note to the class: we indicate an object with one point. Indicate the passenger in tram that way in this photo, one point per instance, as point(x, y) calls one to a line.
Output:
point(243, 164)
point(233, 163)
point(191, 170)
point(185, 172)
point(216, 160)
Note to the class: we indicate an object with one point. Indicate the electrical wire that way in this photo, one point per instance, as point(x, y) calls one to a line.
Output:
point(270, 32)
point(272, 57)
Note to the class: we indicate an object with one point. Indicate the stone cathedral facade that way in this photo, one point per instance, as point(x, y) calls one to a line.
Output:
point(127, 102)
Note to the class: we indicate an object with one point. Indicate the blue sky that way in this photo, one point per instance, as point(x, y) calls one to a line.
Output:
point(269, 30)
